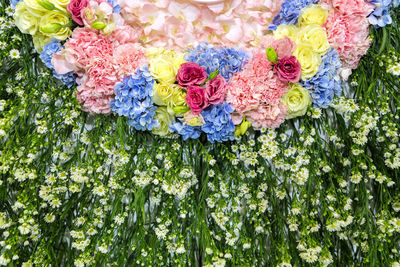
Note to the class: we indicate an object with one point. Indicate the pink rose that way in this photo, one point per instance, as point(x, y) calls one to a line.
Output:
point(288, 69)
point(196, 99)
point(75, 7)
point(190, 74)
point(216, 90)
point(284, 47)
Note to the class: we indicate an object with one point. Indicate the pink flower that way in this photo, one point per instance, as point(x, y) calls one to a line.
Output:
point(128, 57)
point(284, 47)
point(288, 69)
point(216, 90)
point(196, 98)
point(75, 7)
point(351, 7)
point(125, 34)
point(267, 116)
point(190, 74)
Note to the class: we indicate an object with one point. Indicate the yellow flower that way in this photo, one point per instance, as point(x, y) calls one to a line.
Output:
point(178, 60)
point(61, 4)
point(309, 60)
point(39, 40)
point(54, 18)
point(162, 69)
point(162, 92)
point(314, 14)
point(316, 36)
point(297, 99)
point(35, 8)
point(178, 97)
point(25, 20)
point(164, 118)
point(193, 120)
point(286, 30)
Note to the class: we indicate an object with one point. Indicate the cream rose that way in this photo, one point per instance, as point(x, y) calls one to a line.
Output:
point(162, 69)
point(25, 20)
point(54, 18)
point(286, 30)
point(297, 99)
point(162, 93)
point(164, 118)
point(316, 36)
point(314, 14)
point(310, 61)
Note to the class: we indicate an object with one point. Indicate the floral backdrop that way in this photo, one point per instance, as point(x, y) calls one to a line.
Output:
point(87, 190)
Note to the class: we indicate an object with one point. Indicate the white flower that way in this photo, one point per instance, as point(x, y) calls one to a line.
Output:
point(49, 218)
point(14, 53)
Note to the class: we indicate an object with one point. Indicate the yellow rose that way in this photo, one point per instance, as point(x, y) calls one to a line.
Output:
point(178, 60)
point(316, 36)
point(286, 30)
point(61, 4)
point(164, 119)
point(25, 20)
point(297, 99)
point(309, 60)
point(162, 69)
point(162, 93)
point(177, 98)
point(54, 18)
point(314, 14)
point(154, 52)
point(39, 40)
point(34, 7)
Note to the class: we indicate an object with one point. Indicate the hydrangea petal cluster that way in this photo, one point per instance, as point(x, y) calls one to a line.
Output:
point(227, 60)
point(326, 83)
point(381, 17)
point(218, 123)
point(133, 100)
point(185, 130)
point(46, 56)
point(290, 12)
point(227, 23)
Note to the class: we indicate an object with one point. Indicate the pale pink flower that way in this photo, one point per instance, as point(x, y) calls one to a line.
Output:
point(129, 57)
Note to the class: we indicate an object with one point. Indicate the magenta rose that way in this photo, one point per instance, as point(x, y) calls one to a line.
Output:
point(216, 90)
point(196, 99)
point(288, 69)
point(191, 74)
point(75, 7)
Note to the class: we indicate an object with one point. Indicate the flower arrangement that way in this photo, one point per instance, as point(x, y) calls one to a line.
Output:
point(214, 89)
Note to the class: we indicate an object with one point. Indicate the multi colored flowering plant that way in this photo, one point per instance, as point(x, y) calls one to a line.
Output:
point(214, 89)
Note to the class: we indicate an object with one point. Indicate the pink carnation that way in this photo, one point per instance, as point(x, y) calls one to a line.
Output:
point(128, 57)
point(255, 90)
point(267, 116)
point(351, 7)
point(350, 36)
point(284, 47)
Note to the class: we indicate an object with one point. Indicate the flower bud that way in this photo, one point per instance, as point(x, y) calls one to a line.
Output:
point(51, 28)
point(271, 54)
point(180, 109)
point(98, 25)
point(242, 128)
point(47, 5)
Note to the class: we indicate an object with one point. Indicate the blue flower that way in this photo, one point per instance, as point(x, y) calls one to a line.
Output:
point(381, 17)
point(218, 123)
point(227, 60)
point(14, 3)
point(115, 5)
point(185, 130)
point(326, 83)
point(133, 100)
point(47, 54)
point(290, 11)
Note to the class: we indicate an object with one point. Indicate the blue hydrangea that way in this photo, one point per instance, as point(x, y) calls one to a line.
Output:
point(381, 17)
point(326, 83)
point(290, 12)
point(14, 3)
point(218, 123)
point(133, 100)
point(115, 5)
point(47, 54)
point(185, 130)
point(227, 60)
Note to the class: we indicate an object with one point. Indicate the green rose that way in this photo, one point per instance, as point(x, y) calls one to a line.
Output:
point(164, 118)
point(297, 99)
